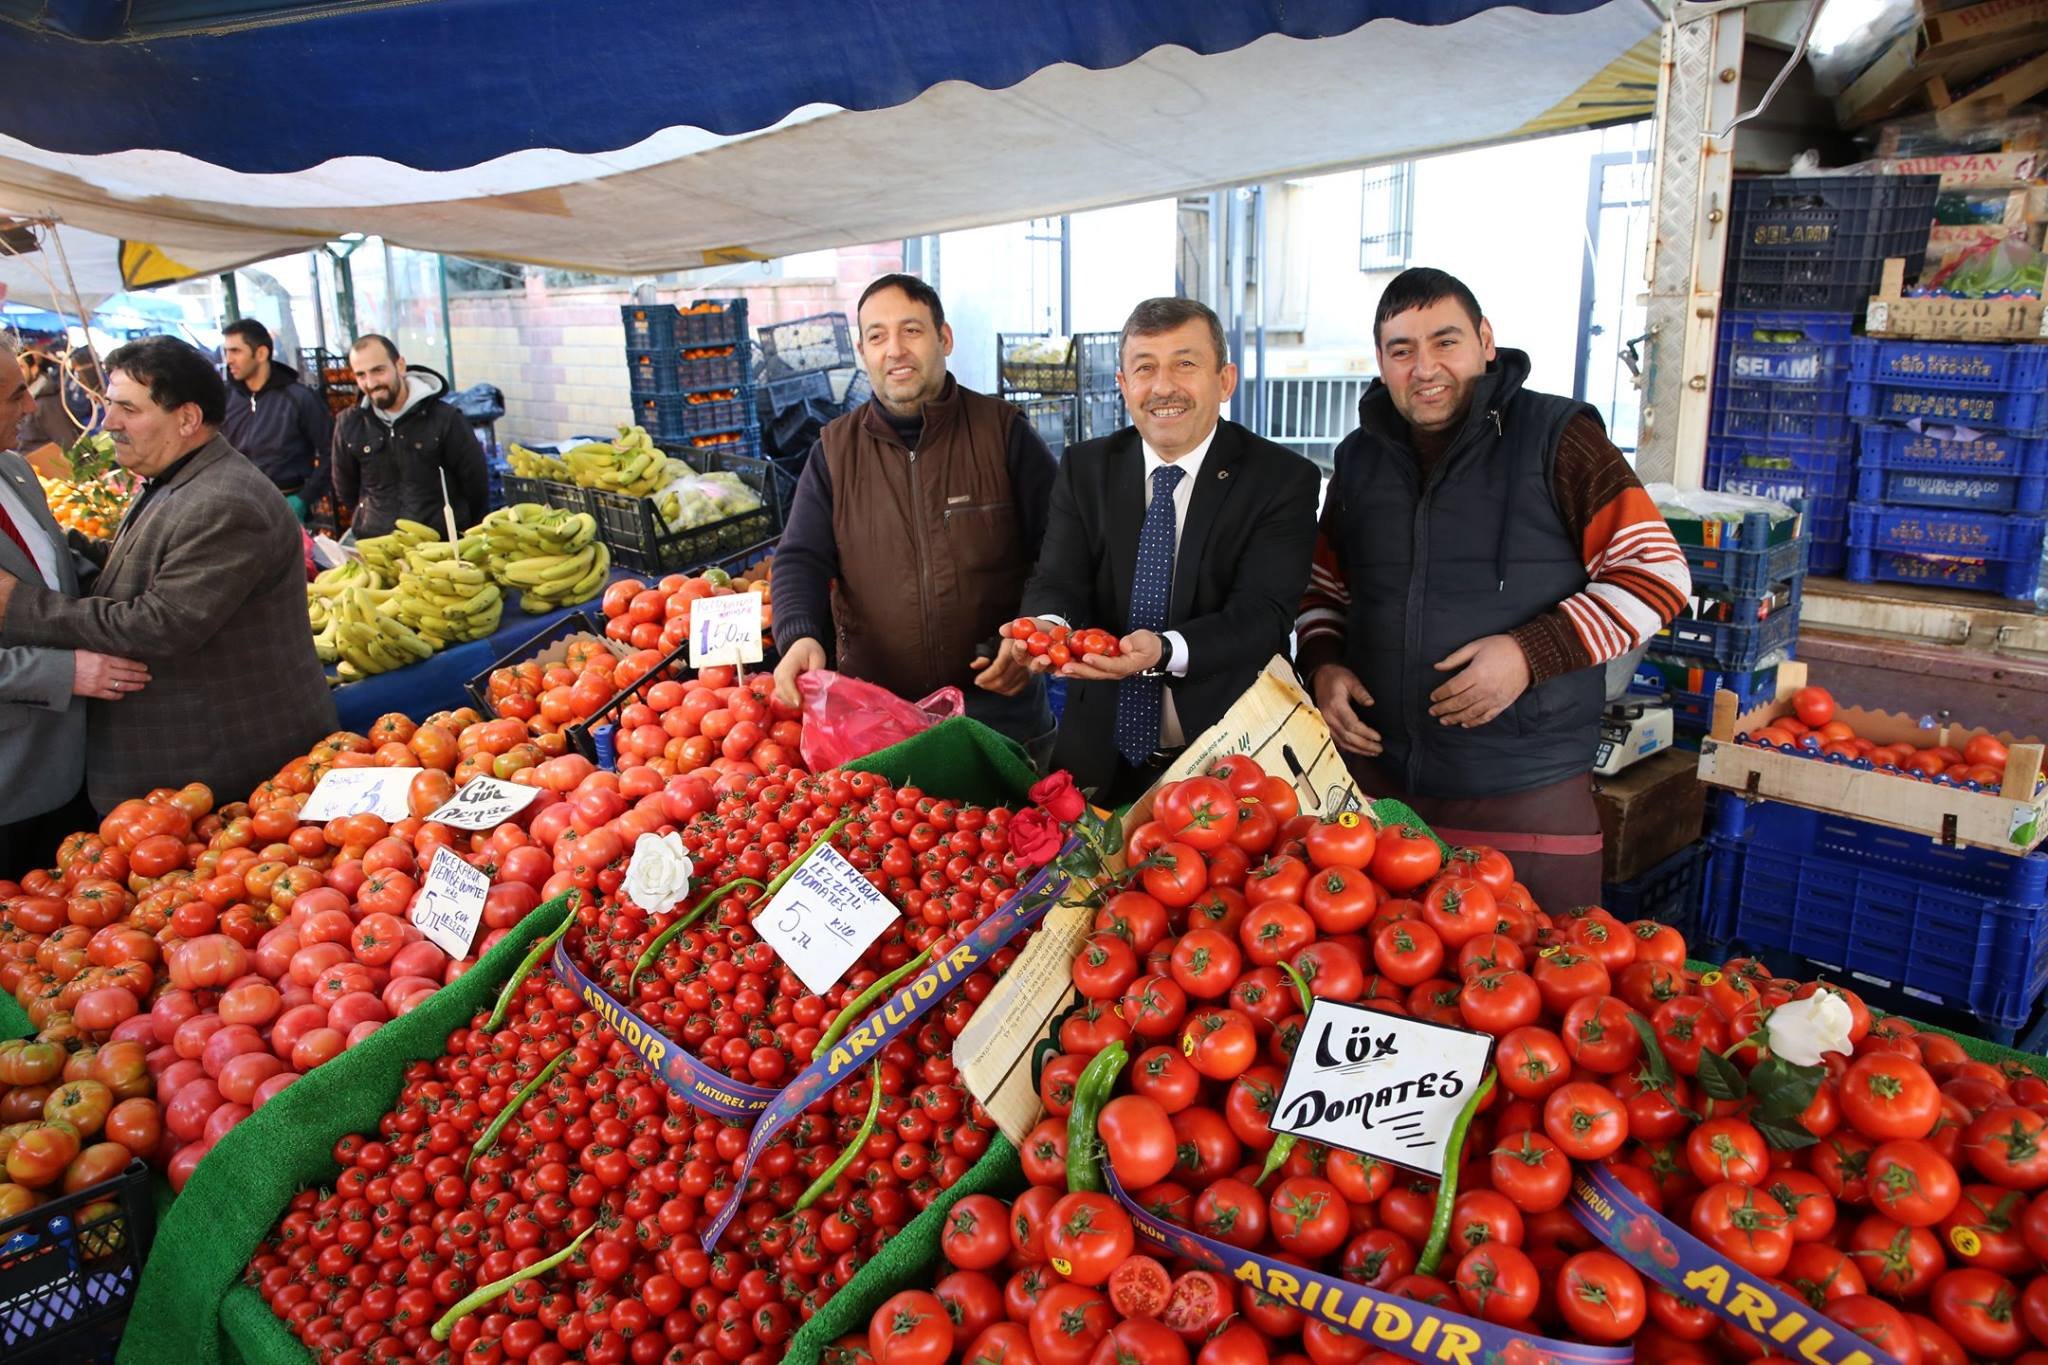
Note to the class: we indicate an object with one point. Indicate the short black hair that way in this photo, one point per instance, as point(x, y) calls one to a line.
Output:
point(1419, 288)
point(176, 373)
point(252, 332)
point(1155, 316)
point(917, 289)
point(375, 339)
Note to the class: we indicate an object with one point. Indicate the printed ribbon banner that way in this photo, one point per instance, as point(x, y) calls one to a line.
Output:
point(691, 1080)
point(892, 1018)
point(1404, 1327)
point(1672, 1257)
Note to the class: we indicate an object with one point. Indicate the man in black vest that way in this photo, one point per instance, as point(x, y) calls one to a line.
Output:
point(1483, 548)
point(1188, 537)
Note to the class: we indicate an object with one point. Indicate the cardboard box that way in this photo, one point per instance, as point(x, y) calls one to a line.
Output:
point(1952, 46)
point(2013, 820)
point(1893, 315)
point(1966, 170)
point(1648, 811)
point(1992, 19)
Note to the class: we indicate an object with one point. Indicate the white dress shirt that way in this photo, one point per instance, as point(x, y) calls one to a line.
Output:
point(31, 527)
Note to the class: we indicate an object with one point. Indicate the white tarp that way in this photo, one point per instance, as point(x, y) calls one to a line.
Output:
point(1065, 139)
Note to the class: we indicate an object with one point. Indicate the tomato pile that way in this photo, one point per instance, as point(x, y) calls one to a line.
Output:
point(551, 696)
point(658, 617)
point(1061, 644)
point(1902, 1189)
point(714, 725)
point(1812, 729)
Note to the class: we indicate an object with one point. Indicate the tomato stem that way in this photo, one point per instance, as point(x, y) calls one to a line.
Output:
point(831, 1174)
point(512, 1107)
point(1447, 1192)
point(497, 1288)
point(541, 948)
point(661, 940)
point(860, 1003)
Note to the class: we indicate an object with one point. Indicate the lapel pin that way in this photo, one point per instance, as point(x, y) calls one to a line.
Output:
point(1222, 473)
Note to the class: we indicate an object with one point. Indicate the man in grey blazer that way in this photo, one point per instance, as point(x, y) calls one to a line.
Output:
point(42, 724)
point(205, 582)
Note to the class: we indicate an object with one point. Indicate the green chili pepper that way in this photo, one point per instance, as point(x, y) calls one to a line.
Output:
point(1447, 1193)
point(661, 940)
point(497, 1288)
point(505, 1115)
point(1284, 1143)
point(1091, 1092)
point(541, 948)
point(832, 1173)
point(860, 1003)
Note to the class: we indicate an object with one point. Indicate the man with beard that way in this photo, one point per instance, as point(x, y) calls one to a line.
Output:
point(1187, 537)
point(914, 525)
point(1483, 549)
point(393, 451)
point(280, 424)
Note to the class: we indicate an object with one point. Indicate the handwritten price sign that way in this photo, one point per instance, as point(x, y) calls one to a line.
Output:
point(450, 906)
point(823, 919)
point(484, 803)
point(725, 630)
point(360, 791)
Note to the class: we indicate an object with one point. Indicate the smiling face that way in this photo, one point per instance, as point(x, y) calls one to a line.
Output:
point(1430, 358)
point(904, 353)
point(149, 439)
point(379, 374)
point(1175, 385)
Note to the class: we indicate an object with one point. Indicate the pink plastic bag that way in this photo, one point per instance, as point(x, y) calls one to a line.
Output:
point(845, 718)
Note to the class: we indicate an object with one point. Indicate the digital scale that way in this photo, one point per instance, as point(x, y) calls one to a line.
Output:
point(1630, 731)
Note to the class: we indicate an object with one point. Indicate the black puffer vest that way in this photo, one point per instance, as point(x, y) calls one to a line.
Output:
point(1478, 551)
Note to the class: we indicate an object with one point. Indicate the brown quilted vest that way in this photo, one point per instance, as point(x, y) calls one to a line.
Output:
point(930, 563)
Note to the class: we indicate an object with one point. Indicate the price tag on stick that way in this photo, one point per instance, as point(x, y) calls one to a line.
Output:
point(380, 792)
point(823, 919)
point(450, 905)
point(725, 630)
point(483, 803)
point(1382, 1084)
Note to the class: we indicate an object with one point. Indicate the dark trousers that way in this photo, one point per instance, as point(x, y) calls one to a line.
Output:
point(1026, 717)
point(1133, 780)
point(1551, 834)
point(32, 843)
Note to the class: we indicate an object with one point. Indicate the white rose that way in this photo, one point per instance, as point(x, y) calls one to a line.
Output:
point(659, 874)
point(1803, 1031)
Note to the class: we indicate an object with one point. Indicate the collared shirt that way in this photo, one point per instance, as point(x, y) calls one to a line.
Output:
point(40, 548)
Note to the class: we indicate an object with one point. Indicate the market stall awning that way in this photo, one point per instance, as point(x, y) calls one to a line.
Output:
point(437, 130)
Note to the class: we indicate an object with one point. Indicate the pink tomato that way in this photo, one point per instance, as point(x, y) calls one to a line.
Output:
point(240, 1077)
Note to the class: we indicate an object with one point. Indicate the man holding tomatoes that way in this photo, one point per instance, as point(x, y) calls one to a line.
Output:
point(1184, 535)
point(204, 584)
point(1483, 550)
point(913, 526)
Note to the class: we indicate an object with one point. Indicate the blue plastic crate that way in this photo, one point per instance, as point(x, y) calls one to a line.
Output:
point(1980, 492)
point(652, 371)
point(2021, 413)
point(2017, 579)
point(2012, 368)
point(1668, 893)
point(1784, 468)
point(679, 416)
point(1738, 645)
point(1937, 531)
point(1680, 676)
point(649, 326)
point(1964, 927)
point(1783, 375)
point(1745, 558)
point(712, 367)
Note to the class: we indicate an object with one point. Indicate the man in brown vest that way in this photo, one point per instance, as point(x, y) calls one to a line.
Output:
point(914, 527)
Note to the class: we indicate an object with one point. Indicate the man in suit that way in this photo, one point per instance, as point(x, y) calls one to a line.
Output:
point(42, 725)
point(1186, 535)
point(205, 582)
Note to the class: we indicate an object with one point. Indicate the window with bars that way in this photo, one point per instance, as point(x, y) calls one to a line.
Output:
point(1386, 217)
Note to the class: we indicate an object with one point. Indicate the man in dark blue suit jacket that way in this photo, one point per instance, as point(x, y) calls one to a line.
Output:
point(1185, 535)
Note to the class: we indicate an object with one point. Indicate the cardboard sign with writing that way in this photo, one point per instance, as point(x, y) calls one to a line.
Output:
point(451, 903)
point(726, 630)
point(823, 919)
point(360, 791)
point(1382, 1084)
point(484, 803)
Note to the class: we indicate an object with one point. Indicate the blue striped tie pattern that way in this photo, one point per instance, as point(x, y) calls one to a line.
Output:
point(1139, 700)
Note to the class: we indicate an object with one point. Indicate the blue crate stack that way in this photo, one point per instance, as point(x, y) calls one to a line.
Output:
point(690, 371)
point(1952, 470)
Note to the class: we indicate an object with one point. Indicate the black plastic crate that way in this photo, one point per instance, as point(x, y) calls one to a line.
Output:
point(1052, 418)
point(641, 541)
point(574, 624)
point(1100, 414)
point(791, 390)
point(1668, 893)
point(67, 1276)
point(802, 345)
point(1087, 366)
point(546, 492)
point(679, 416)
point(1820, 241)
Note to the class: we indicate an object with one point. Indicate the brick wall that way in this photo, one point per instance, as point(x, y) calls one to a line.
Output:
point(560, 354)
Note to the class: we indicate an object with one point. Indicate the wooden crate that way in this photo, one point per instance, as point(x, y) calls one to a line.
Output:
point(1891, 314)
point(2014, 820)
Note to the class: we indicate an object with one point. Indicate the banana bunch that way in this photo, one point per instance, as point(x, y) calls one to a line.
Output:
point(525, 530)
point(386, 554)
point(559, 579)
point(531, 464)
point(444, 598)
point(632, 464)
point(361, 635)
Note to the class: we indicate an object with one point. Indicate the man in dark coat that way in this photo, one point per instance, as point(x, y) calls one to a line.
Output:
point(394, 450)
point(283, 426)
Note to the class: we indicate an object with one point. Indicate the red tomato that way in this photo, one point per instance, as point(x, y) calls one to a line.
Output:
point(1601, 1297)
point(1814, 705)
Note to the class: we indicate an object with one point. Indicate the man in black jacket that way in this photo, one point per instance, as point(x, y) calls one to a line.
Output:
point(280, 424)
point(1187, 536)
point(393, 450)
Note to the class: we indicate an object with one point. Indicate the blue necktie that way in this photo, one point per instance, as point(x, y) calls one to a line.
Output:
point(1138, 700)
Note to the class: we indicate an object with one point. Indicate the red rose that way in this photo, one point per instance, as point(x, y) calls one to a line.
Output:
point(1059, 796)
point(1034, 838)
